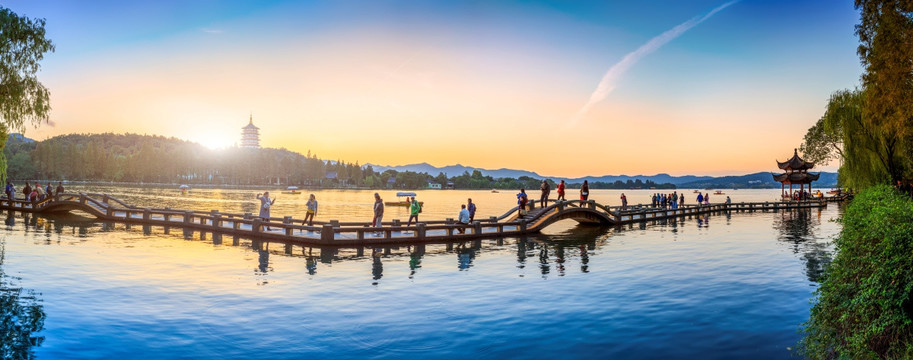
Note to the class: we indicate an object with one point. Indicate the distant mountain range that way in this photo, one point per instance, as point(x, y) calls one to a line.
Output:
point(756, 180)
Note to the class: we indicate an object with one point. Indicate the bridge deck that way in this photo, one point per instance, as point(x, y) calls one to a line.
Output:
point(335, 232)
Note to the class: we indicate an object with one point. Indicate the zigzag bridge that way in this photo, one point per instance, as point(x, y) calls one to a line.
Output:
point(334, 232)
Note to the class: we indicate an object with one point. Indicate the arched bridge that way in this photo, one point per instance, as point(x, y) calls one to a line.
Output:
point(335, 232)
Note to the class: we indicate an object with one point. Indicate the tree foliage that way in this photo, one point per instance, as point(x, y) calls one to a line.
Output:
point(886, 49)
point(864, 307)
point(823, 142)
point(23, 99)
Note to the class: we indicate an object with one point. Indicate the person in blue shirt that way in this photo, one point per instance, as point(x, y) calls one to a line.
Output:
point(472, 210)
point(9, 190)
point(521, 201)
point(463, 218)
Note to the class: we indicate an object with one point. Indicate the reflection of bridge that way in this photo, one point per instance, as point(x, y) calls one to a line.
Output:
point(334, 232)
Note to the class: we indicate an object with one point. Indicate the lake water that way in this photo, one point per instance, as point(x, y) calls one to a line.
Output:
point(718, 287)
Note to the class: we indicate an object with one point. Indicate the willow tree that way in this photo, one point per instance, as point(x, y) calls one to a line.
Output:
point(872, 153)
point(886, 49)
point(23, 99)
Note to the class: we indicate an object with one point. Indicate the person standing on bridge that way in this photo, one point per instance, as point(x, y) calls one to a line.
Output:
point(48, 191)
point(311, 211)
point(700, 199)
point(378, 211)
point(27, 191)
point(39, 194)
point(414, 209)
point(521, 202)
point(546, 189)
point(10, 190)
point(585, 191)
point(561, 191)
point(59, 188)
point(265, 204)
point(472, 209)
point(624, 202)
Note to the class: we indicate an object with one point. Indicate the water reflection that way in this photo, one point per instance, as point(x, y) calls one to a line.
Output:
point(377, 268)
point(21, 316)
point(465, 255)
point(553, 251)
point(797, 229)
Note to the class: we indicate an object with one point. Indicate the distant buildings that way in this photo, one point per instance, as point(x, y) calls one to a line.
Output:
point(250, 135)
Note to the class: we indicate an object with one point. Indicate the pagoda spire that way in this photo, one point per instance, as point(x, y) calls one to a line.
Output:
point(251, 118)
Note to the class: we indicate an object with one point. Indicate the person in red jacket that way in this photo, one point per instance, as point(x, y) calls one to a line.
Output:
point(561, 191)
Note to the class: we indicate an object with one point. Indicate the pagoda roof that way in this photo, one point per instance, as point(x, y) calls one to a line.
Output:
point(796, 177)
point(250, 125)
point(795, 163)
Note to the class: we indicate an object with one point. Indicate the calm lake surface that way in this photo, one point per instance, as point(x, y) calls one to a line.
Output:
point(718, 287)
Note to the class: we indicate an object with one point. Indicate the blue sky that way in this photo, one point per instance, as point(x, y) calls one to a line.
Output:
point(464, 80)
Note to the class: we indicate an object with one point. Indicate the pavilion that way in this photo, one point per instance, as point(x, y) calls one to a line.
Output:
point(796, 172)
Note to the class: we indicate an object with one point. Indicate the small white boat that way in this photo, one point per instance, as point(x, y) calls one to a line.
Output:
point(292, 190)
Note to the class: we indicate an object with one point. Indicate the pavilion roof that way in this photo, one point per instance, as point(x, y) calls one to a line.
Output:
point(795, 163)
point(796, 177)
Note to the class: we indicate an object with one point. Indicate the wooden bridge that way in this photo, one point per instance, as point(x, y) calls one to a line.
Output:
point(334, 232)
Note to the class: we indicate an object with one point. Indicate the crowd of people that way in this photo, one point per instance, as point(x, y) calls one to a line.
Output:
point(466, 214)
point(33, 194)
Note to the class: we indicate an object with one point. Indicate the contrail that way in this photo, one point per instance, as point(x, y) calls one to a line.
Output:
point(608, 80)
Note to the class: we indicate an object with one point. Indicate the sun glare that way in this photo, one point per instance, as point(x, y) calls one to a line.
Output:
point(215, 141)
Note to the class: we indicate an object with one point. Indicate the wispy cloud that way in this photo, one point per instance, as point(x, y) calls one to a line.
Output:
point(213, 31)
point(607, 84)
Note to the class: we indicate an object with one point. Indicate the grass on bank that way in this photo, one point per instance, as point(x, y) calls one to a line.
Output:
point(864, 308)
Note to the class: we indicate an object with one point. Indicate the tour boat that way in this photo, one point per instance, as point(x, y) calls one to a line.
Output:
point(407, 202)
point(291, 190)
point(697, 191)
point(184, 188)
point(494, 191)
point(835, 191)
point(718, 192)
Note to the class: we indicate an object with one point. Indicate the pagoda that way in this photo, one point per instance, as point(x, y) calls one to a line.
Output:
point(796, 172)
point(250, 135)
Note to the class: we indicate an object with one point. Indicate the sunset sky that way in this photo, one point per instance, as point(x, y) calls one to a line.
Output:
point(688, 87)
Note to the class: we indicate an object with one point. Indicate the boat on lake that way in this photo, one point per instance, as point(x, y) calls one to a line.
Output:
point(718, 192)
point(292, 190)
point(407, 202)
point(184, 188)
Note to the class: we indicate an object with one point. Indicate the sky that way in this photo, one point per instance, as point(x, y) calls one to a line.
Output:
point(560, 88)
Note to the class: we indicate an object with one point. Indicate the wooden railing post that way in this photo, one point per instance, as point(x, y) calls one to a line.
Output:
point(188, 217)
point(255, 225)
point(216, 219)
point(146, 214)
point(420, 229)
point(287, 220)
point(326, 233)
point(477, 227)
